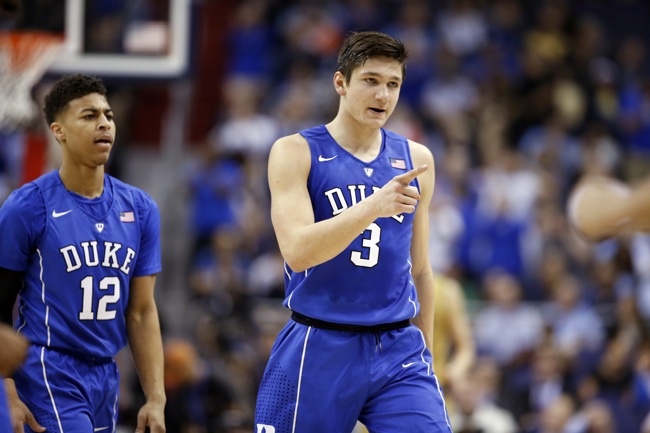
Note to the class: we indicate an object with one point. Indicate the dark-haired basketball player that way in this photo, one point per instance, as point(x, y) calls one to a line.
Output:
point(83, 249)
point(350, 212)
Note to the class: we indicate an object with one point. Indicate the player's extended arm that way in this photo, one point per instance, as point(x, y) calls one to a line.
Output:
point(421, 269)
point(145, 341)
point(602, 207)
point(464, 350)
point(303, 242)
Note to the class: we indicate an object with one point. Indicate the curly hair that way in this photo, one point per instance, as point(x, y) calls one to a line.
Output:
point(69, 88)
point(359, 47)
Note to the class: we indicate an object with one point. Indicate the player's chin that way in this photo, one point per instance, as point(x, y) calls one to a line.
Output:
point(102, 159)
point(376, 121)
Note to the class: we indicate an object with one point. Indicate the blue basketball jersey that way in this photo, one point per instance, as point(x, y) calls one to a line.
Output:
point(78, 256)
point(370, 282)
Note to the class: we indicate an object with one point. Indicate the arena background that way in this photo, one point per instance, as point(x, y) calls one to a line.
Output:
point(516, 99)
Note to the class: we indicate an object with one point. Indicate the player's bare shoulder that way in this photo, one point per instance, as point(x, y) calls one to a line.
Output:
point(290, 157)
point(421, 155)
point(294, 147)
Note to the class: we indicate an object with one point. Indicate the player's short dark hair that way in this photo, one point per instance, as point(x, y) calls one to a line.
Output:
point(361, 46)
point(69, 88)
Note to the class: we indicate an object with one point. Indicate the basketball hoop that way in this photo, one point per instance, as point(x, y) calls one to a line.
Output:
point(24, 58)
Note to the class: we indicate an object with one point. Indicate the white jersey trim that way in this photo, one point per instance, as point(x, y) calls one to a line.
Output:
point(47, 308)
point(49, 391)
point(302, 363)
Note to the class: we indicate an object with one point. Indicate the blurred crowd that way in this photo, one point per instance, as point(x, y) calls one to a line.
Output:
point(517, 101)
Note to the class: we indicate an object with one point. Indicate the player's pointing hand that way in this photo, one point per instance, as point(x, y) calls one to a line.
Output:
point(407, 177)
point(397, 196)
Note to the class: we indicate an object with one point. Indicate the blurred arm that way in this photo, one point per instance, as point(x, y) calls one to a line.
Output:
point(464, 350)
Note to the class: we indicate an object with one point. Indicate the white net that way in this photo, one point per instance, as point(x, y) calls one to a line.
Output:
point(24, 58)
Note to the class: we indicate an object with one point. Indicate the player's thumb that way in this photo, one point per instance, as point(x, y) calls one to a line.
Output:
point(33, 424)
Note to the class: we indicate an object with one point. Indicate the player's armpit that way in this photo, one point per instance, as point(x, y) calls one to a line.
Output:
point(10, 284)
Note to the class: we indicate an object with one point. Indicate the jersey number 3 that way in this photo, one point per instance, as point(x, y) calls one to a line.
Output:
point(371, 243)
point(105, 301)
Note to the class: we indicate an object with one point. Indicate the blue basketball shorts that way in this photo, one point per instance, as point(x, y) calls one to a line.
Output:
point(67, 394)
point(5, 419)
point(322, 381)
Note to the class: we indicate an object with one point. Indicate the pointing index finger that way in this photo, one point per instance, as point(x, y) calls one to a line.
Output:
point(407, 177)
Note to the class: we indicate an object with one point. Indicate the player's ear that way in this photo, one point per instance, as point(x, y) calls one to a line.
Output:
point(339, 83)
point(57, 130)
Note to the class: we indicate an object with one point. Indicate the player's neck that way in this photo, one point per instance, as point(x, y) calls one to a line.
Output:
point(361, 141)
point(85, 181)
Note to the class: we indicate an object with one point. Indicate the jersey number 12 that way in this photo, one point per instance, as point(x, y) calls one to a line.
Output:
point(103, 311)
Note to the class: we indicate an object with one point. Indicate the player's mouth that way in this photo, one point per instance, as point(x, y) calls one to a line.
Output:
point(377, 110)
point(107, 140)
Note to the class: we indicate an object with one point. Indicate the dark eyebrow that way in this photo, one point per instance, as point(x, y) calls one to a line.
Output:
point(376, 74)
point(96, 110)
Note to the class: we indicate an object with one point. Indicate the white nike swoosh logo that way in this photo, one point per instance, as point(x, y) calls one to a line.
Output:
point(56, 214)
point(408, 365)
point(321, 158)
point(100, 428)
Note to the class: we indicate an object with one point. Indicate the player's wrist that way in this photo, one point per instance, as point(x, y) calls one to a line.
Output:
point(373, 207)
point(157, 399)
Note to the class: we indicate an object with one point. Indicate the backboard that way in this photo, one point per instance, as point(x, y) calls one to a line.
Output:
point(117, 38)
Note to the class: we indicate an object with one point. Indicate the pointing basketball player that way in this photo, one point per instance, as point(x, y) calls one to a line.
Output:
point(350, 211)
point(83, 250)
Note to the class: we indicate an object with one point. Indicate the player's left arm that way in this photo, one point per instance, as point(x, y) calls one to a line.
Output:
point(464, 349)
point(421, 270)
point(145, 341)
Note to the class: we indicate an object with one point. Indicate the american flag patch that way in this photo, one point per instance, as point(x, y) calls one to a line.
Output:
point(127, 217)
point(398, 163)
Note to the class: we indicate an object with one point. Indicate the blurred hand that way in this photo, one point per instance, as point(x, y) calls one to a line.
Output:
point(14, 349)
point(397, 196)
point(596, 207)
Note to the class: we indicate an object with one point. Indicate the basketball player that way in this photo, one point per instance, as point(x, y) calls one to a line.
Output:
point(83, 249)
point(350, 211)
point(601, 207)
point(14, 348)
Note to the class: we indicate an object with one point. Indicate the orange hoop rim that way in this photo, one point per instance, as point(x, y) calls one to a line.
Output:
point(24, 48)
